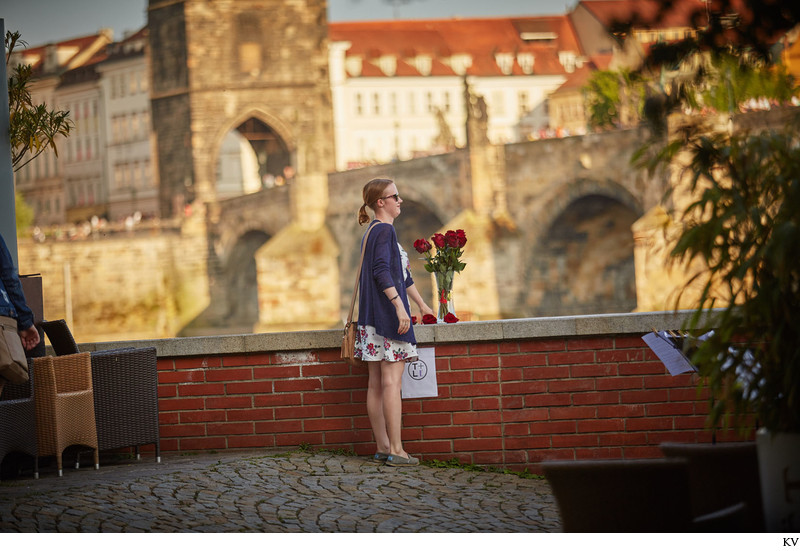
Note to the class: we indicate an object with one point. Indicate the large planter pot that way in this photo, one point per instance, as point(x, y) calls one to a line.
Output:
point(779, 469)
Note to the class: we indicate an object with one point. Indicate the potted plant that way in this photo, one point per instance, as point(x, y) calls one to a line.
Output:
point(741, 220)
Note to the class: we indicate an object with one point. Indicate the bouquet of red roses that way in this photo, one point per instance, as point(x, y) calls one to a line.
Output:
point(444, 264)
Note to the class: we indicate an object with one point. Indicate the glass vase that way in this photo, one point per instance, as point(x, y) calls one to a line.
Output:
point(444, 293)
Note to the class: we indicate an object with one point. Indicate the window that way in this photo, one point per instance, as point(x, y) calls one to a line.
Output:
point(505, 61)
point(249, 43)
point(525, 61)
point(429, 99)
point(250, 58)
point(376, 104)
point(359, 105)
point(447, 102)
point(136, 175)
point(498, 103)
point(523, 102)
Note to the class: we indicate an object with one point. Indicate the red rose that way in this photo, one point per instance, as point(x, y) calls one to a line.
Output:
point(422, 246)
point(462, 238)
point(413, 320)
point(451, 239)
point(428, 319)
point(450, 318)
point(438, 240)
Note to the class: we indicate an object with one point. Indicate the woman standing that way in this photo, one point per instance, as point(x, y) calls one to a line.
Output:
point(385, 335)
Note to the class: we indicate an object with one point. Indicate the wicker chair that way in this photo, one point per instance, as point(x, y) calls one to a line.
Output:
point(126, 398)
point(60, 337)
point(18, 421)
point(639, 495)
point(65, 405)
point(125, 391)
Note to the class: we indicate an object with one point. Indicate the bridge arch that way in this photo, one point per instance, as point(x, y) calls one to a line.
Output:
point(581, 258)
point(254, 151)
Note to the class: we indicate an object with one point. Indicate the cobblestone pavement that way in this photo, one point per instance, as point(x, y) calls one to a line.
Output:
point(275, 492)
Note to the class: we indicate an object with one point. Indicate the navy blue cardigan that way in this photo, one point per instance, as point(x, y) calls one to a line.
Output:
point(383, 269)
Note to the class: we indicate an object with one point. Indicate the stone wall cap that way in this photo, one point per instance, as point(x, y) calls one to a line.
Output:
point(636, 323)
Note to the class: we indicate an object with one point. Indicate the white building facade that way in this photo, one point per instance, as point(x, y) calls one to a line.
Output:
point(399, 87)
point(124, 81)
point(42, 180)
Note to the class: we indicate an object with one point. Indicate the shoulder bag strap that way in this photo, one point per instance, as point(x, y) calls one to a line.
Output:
point(358, 275)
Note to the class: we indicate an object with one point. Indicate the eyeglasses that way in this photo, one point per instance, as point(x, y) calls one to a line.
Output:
point(396, 197)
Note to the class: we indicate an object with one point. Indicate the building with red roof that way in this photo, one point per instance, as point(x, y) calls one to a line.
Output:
point(395, 84)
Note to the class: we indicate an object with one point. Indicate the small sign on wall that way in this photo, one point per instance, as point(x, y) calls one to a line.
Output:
point(419, 376)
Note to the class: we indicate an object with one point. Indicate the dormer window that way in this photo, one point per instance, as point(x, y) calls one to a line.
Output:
point(525, 61)
point(505, 62)
point(353, 66)
point(50, 58)
point(388, 65)
point(423, 64)
point(459, 63)
point(567, 60)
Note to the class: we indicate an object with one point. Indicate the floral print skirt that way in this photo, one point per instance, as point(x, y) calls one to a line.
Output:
point(372, 347)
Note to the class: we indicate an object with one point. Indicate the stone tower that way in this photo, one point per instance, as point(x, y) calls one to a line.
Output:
point(256, 68)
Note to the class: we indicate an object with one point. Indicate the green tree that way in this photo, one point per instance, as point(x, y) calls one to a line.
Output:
point(615, 98)
point(23, 211)
point(32, 128)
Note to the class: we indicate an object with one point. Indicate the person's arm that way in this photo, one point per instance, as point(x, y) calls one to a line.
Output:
point(13, 288)
point(403, 319)
point(414, 295)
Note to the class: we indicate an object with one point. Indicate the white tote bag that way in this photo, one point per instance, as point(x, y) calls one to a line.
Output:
point(419, 376)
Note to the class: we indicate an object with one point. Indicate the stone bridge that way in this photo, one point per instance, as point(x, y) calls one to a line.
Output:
point(548, 225)
point(555, 227)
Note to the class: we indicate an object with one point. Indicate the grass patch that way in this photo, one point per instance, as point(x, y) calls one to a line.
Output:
point(456, 464)
point(308, 448)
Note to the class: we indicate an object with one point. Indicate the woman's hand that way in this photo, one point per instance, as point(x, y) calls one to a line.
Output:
point(416, 297)
point(404, 321)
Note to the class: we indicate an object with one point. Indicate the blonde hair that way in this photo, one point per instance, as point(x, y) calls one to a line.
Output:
point(373, 190)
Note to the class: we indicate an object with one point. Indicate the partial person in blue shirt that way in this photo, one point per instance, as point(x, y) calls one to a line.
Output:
point(12, 301)
point(385, 333)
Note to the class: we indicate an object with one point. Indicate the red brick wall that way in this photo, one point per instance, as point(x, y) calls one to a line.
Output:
point(512, 403)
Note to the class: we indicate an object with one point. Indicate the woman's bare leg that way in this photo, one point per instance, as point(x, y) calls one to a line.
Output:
point(392, 378)
point(375, 407)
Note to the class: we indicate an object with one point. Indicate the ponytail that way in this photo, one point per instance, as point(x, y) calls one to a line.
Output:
point(363, 217)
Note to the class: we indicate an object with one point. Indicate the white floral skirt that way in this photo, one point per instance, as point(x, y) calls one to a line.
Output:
point(372, 347)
